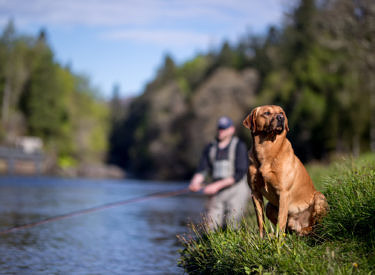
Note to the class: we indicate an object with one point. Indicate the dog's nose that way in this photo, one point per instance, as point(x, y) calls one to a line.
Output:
point(280, 117)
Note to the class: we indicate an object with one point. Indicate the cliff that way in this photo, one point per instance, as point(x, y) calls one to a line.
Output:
point(166, 128)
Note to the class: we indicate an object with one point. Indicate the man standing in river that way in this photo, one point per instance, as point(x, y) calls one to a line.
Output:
point(225, 162)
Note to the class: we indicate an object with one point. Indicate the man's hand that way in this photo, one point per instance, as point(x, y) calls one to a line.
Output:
point(211, 189)
point(196, 183)
point(195, 186)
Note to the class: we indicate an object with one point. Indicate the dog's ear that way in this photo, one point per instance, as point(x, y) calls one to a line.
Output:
point(286, 122)
point(249, 121)
point(246, 122)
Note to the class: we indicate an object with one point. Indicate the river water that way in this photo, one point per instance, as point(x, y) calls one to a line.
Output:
point(137, 238)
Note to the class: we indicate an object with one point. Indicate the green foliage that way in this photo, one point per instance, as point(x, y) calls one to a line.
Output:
point(244, 252)
point(192, 72)
point(226, 57)
point(351, 197)
point(342, 244)
point(318, 83)
point(318, 65)
point(41, 98)
point(90, 123)
point(66, 162)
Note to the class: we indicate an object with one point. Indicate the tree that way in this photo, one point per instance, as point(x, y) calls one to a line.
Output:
point(41, 100)
point(116, 107)
point(15, 58)
point(294, 80)
point(351, 28)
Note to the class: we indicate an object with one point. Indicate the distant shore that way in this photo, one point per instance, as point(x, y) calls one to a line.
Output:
point(97, 170)
point(93, 171)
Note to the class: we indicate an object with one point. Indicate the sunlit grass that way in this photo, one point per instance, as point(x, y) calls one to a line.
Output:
point(342, 244)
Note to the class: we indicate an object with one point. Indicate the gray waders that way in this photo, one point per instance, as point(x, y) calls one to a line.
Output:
point(228, 205)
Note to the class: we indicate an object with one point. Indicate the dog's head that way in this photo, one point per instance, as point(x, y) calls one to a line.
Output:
point(267, 119)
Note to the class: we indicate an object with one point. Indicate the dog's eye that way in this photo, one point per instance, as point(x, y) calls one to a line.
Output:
point(267, 113)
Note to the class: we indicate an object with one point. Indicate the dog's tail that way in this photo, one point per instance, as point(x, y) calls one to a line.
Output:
point(320, 206)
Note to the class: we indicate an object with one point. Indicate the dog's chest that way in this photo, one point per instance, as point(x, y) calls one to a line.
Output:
point(269, 191)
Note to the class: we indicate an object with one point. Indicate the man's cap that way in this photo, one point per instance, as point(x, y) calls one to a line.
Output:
point(224, 122)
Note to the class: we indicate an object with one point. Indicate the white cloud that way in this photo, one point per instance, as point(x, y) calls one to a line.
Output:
point(165, 38)
point(179, 26)
point(141, 12)
point(200, 21)
point(72, 12)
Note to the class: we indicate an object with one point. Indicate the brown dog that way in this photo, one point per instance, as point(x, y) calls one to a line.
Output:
point(276, 173)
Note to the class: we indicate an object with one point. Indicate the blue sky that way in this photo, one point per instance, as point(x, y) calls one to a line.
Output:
point(124, 41)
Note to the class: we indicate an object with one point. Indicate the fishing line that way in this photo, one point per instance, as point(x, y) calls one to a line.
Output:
point(96, 208)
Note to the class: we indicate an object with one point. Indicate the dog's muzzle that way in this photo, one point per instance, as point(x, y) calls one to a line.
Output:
point(280, 122)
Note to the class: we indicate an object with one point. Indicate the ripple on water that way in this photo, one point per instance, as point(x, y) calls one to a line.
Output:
point(137, 238)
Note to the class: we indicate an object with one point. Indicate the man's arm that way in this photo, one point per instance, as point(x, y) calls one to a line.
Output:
point(216, 186)
point(241, 162)
point(196, 182)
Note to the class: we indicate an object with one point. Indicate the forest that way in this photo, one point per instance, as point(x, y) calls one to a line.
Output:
point(319, 65)
point(44, 99)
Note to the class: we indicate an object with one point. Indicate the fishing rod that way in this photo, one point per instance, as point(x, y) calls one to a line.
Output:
point(97, 208)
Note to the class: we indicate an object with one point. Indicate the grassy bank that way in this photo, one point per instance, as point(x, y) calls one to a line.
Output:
point(343, 243)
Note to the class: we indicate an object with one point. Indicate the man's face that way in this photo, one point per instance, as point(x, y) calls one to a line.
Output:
point(225, 133)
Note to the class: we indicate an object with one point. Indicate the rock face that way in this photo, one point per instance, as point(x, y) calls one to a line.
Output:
point(226, 92)
point(167, 128)
point(167, 105)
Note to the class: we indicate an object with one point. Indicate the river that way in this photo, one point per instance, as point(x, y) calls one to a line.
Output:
point(136, 238)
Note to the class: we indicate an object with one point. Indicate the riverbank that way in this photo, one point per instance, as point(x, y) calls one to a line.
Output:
point(342, 244)
point(99, 170)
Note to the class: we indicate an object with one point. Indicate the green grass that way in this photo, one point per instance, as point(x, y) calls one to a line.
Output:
point(344, 243)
